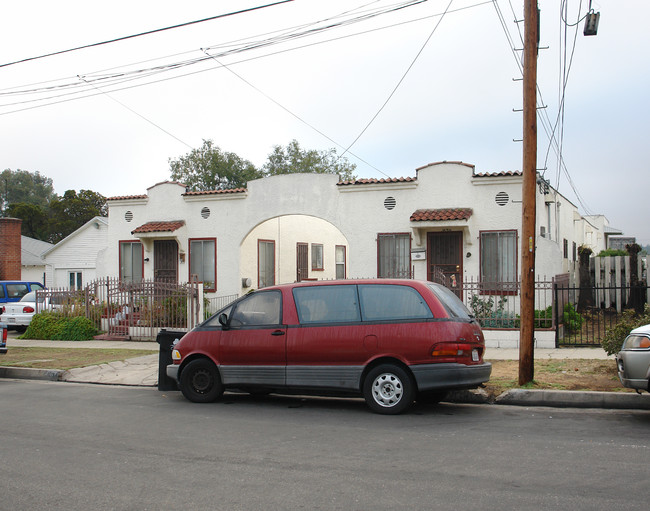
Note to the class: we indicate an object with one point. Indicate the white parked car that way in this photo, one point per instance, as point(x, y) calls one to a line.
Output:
point(18, 315)
point(634, 359)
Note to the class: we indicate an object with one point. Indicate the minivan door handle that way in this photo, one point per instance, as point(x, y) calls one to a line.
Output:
point(278, 332)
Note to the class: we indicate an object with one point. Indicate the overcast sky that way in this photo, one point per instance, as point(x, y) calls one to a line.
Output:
point(109, 117)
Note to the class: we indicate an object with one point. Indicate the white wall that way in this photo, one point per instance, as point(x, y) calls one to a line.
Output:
point(313, 207)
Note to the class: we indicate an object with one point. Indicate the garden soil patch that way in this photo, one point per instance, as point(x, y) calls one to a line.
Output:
point(565, 374)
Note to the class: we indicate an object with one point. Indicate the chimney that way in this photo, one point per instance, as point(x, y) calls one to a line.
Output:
point(10, 249)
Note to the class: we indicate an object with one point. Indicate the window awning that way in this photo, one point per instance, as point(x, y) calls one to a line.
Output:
point(441, 215)
point(425, 220)
point(158, 227)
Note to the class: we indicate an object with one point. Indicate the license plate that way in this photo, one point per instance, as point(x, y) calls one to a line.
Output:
point(11, 320)
point(474, 355)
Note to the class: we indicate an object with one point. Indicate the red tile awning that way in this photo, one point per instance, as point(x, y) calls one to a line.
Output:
point(169, 226)
point(441, 215)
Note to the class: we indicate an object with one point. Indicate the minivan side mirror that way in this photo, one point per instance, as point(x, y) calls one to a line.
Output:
point(223, 320)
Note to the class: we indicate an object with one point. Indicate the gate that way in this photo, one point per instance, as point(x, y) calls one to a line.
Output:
point(583, 315)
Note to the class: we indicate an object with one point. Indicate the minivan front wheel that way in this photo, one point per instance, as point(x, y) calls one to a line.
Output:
point(388, 389)
point(200, 382)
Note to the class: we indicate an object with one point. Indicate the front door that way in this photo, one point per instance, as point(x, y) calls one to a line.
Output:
point(165, 261)
point(445, 261)
point(302, 260)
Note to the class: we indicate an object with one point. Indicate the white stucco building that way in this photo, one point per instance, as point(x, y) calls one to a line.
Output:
point(446, 220)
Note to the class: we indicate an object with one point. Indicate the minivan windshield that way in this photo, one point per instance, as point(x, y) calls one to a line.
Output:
point(455, 307)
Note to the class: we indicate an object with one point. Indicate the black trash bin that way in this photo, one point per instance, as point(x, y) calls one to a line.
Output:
point(166, 340)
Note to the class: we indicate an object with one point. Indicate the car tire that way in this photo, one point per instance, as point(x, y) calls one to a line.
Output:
point(200, 381)
point(388, 389)
point(431, 397)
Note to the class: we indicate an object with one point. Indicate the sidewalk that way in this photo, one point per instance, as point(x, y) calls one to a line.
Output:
point(143, 371)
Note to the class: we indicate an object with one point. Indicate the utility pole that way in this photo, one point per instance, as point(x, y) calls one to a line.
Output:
point(529, 170)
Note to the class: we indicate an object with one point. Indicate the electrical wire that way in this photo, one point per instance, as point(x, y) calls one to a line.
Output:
point(149, 32)
point(392, 93)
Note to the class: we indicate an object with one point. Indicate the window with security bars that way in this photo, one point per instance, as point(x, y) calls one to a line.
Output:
point(499, 262)
point(203, 261)
point(394, 255)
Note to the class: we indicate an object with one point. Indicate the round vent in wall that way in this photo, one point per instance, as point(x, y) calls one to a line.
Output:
point(502, 198)
point(390, 202)
point(205, 212)
point(128, 216)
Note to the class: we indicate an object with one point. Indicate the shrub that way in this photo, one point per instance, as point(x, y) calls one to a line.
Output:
point(613, 340)
point(491, 316)
point(544, 317)
point(571, 319)
point(612, 252)
point(58, 327)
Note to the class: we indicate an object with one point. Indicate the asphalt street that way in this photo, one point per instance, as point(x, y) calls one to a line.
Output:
point(100, 447)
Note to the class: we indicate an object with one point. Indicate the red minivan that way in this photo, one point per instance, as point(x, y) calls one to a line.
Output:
point(390, 341)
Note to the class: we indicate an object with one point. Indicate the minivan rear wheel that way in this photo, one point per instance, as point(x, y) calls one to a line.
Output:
point(388, 389)
point(200, 382)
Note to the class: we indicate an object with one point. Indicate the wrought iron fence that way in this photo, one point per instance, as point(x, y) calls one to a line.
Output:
point(497, 304)
point(130, 310)
point(214, 304)
point(585, 314)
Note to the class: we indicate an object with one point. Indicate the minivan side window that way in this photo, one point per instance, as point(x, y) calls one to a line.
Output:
point(454, 306)
point(258, 309)
point(327, 304)
point(390, 302)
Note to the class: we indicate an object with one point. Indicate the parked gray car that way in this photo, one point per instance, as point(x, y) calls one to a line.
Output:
point(634, 360)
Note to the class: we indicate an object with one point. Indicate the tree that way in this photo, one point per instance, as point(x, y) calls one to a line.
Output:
point(293, 159)
point(35, 219)
point(71, 211)
point(25, 187)
point(210, 168)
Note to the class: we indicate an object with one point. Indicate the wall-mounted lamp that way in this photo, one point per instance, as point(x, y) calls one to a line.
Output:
point(181, 254)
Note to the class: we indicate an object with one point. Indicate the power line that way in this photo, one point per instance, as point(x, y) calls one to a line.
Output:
point(400, 80)
point(149, 32)
point(138, 114)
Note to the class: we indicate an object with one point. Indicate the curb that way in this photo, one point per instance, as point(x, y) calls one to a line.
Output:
point(29, 373)
point(574, 399)
point(555, 399)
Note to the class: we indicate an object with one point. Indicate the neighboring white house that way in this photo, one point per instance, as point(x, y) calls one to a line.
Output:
point(31, 258)
point(447, 220)
point(78, 258)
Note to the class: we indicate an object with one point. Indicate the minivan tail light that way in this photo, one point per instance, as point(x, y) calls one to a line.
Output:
point(452, 349)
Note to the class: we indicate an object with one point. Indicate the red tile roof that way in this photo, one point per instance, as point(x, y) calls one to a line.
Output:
point(127, 197)
point(439, 215)
point(376, 181)
point(498, 174)
point(216, 192)
point(159, 227)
